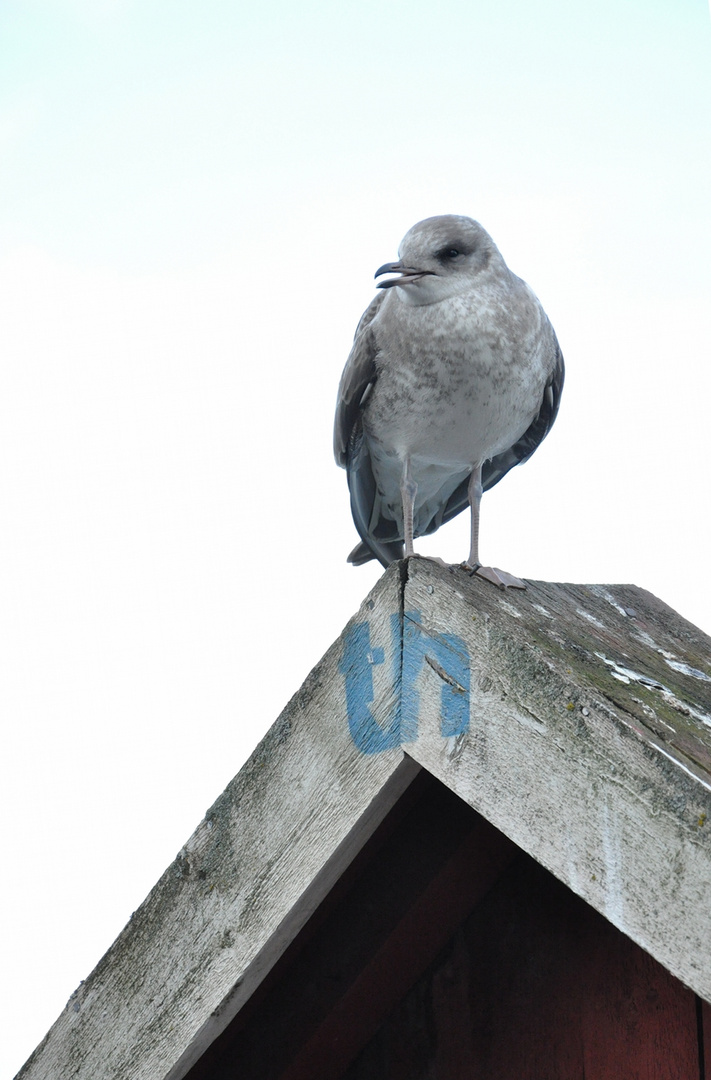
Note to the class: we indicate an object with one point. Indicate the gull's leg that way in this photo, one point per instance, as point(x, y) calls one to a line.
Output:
point(475, 493)
point(408, 493)
point(491, 573)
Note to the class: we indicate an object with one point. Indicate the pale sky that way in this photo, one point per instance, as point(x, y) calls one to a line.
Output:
point(193, 201)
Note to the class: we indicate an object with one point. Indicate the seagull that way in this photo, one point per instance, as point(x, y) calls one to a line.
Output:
point(454, 377)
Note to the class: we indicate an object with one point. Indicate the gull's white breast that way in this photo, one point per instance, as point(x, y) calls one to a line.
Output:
point(458, 382)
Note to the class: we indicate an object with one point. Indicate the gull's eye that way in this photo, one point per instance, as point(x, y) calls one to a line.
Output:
point(449, 253)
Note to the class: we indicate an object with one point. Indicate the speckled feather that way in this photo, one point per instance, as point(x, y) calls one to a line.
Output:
point(456, 368)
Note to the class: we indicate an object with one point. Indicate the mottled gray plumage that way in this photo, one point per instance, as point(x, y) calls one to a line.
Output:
point(454, 377)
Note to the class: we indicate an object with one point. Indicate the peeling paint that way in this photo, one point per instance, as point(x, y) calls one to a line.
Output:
point(670, 658)
point(687, 710)
point(626, 675)
point(611, 600)
point(680, 765)
point(685, 669)
point(590, 618)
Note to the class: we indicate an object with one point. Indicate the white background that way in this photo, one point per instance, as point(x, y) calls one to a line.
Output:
point(193, 201)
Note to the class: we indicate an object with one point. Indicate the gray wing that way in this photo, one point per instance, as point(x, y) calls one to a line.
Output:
point(496, 469)
point(351, 449)
point(358, 375)
point(534, 435)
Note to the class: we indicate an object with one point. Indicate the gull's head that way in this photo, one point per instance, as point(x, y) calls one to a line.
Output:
point(441, 257)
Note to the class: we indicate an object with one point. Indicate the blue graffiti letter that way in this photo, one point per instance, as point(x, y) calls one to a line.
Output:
point(446, 654)
point(356, 664)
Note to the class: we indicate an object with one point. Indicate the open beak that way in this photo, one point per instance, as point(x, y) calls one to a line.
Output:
point(408, 274)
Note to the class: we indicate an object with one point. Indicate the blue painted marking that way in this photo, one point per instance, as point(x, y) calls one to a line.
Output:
point(446, 653)
point(357, 666)
point(449, 653)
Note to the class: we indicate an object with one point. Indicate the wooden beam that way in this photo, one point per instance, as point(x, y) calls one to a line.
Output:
point(586, 740)
point(247, 880)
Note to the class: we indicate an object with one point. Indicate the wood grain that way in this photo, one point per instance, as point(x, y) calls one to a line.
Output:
point(248, 878)
point(604, 782)
point(575, 719)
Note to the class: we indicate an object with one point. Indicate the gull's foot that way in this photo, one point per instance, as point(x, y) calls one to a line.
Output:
point(500, 578)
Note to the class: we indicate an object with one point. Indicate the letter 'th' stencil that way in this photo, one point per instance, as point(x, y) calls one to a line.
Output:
point(411, 652)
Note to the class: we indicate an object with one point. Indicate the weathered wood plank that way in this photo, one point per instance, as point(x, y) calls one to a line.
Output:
point(576, 719)
point(585, 740)
point(267, 852)
point(415, 880)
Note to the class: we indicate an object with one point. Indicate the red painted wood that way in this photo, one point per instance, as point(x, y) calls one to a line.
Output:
point(395, 906)
point(445, 953)
point(538, 986)
point(584, 1002)
point(706, 1037)
point(411, 947)
point(634, 1012)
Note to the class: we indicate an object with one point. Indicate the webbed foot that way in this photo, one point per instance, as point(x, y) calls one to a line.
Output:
point(500, 578)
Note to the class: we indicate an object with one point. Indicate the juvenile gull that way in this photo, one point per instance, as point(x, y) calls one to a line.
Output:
point(454, 377)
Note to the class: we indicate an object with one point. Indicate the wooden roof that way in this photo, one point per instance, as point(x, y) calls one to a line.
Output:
point(575, 719)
